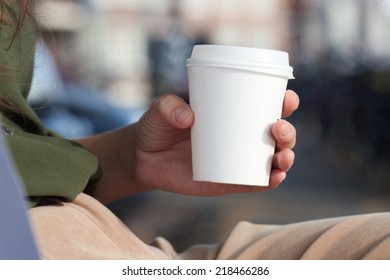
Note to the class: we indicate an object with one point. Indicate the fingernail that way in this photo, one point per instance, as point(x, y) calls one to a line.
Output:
point(182, 114)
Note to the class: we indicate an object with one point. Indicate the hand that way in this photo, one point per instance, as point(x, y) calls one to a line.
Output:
point(163, 153)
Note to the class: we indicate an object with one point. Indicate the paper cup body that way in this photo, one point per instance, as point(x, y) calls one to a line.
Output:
point(235, 105)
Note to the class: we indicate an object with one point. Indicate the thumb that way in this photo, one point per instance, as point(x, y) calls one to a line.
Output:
point(165, 123)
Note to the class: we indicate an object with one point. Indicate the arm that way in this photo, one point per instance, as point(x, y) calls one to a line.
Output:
point(155, 153)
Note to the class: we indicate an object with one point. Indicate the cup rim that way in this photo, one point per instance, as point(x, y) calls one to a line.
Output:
point(284, 71)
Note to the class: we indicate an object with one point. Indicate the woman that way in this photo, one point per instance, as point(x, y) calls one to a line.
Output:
point(68, 182)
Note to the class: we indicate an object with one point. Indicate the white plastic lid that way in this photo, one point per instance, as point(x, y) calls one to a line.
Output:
point(266, 61)
point(254, 55)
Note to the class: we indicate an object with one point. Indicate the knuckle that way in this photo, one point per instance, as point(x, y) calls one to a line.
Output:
point(160, 102)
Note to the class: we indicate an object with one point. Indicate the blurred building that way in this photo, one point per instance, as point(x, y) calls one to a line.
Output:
point(68, 87)
point(129, 25)
point(116, 37)
point(347, 33)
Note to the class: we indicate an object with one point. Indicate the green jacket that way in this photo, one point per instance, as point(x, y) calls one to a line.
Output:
point(49, 165)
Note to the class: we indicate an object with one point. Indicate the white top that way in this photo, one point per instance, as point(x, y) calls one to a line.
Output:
point(246, 54)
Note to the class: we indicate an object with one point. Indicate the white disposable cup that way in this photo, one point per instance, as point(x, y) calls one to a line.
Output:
point(236, 94)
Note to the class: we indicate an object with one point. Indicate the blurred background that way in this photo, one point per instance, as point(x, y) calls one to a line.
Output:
point(100, 62)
